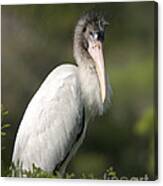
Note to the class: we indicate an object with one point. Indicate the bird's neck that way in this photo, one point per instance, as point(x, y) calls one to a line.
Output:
point(89, 81)
point(80, 52)
point(80, 46)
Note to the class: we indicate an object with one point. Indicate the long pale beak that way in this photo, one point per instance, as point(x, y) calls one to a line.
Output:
point(96, 52)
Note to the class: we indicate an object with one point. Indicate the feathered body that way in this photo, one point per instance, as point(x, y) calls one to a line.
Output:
point(55, 121)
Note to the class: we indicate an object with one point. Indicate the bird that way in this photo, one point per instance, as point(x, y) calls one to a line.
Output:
point(55, 121)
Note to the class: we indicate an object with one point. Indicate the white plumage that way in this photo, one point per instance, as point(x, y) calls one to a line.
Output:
point(55, 121)
point(52, 120)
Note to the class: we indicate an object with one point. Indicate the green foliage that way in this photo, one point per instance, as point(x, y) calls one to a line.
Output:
point(4, 126)
point(16, 171)
point(109, 174)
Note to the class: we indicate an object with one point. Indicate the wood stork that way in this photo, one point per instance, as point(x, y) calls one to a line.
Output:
point(55, 121)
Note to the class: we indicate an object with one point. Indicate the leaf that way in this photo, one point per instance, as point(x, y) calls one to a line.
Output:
point(3, 133)
point(5, 126)
point(4, 113)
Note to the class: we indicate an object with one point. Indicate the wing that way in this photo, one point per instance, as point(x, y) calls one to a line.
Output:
point(51, 122)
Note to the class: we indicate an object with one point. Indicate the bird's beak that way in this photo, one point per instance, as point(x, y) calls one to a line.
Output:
point(96, 52)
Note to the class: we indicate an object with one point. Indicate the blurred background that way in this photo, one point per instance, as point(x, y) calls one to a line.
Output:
point(37, 38)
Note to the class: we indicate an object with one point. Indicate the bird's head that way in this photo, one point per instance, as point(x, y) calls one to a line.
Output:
point(93, 28)
point(88, 40)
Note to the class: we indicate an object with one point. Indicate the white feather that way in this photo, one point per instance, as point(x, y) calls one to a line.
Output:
point(51, 121)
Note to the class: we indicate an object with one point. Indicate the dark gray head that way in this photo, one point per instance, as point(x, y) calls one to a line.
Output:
point(93, 27)
point(90, 27)
point(88, 39)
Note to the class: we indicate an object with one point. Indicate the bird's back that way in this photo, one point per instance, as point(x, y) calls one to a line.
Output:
point(52, 121)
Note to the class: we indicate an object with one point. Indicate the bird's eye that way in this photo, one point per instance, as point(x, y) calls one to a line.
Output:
point(97, 35)
point(94, 35)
